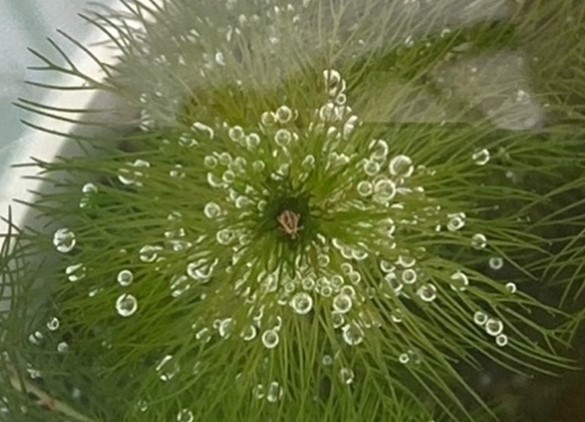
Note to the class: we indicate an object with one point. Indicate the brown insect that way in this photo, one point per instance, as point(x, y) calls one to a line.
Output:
point(289, 223)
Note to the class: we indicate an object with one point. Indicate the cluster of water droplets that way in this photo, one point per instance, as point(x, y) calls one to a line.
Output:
point(493, 327)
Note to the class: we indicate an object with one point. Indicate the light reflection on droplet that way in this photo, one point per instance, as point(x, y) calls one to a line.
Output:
point(64, 240)
point(126, 305)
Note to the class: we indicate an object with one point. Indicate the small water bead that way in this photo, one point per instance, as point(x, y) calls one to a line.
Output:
point(496, 263)
point(327, 360)
point(371, 167)
point(365, 188)
point(185, 415)
point(225, 328)
point(354, 277)
point(212, 210)
point(302, 303)
point(502, 340)
point(142, 405)
point(511, 287)
point(53, 324)
point(228, 176)
point(225, 236)
point(76, 272)
point(406, 261)
point(480, 318)
point(384, 190)
point(282, 137)
point(268, 118)
point(346, 375)
point(404, 358)
point(478, 241)
point(64, 240)
point(427, 293)
point(456, 221)
point(210, 161)
point(352, 334)
point(62, 347)
point(326, 291)
point(337, 319)
point(494, 326)
point(177, 172)
point(460, 281)
point(274, 393)
point(249, 333)
point(179, 285)
point(337, 281)
point(88, 190)
point(342, 303)
point(258, 391)
point(401, 166)
point(409, 276)
point(125, 278)
point(386, 266)
point(270, 339)
point(284, 114)
point(126, 305)
point(481, 157)
point(201, 270)
point(149, 253)
point(202, 129)
point(236, 134)
point(252, 141)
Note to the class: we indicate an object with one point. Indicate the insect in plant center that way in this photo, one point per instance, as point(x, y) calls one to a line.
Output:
point(289, 223)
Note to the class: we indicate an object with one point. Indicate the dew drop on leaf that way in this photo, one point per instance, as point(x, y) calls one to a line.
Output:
point(480, 318)
point(302, 303)
point(478, 241)
point(511, 287)
point(270, 339)
point(502, 340)
point(342, 303)
point(125, 278)
point(494, 326)
point(64, 240)
point(185, 415)
point(496, 263)
point(401, 166)
point(76, 272)
point(212, 210)
point(346, 375)
point(352, 334)
point(274, 393)
point(53, 324)
point(481, 157)
point(427, 293)
point(126, 305)
point(62, 347)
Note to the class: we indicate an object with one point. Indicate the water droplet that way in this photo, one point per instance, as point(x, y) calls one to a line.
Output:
point(210, 161)
point(212, 210)
point(427, 293)
point(177, 172)
point(282, 137)
point(249, 333)
point(126, 305)
point(456, 221)
point(268, 118)
point(401, 166)
point(76, 272)
point(185, 415)
point(409, 276)
point(53, 324)
point(252, 140)
point(502, 340)
point(384, 191)
point(258, 391)
point(460, 281)
point(371, 167)
point(236, 134)
point(342, 303)
point(284, 114)
point(346, 375)
point(302, 303)
point(354, 277)
point(225, 328)
point(142, 405)
point(167, 369)
point(88, 190)
point(494, 326)
point(365, 188)
point(149, 253)
point(225, 236)
point(481, 158)
point(478, 241)
point(64, 240)
point(327, 360)
point(179, 285)
point(270, 339)
point(274, 393)
point(404, 358)
point(63, 347)
point(201, 270)
point(480, 318)
point(131, 177)
point(511, 287)
point(496, 263)
point(202, 129)
point(352, 334)
point(125, 278)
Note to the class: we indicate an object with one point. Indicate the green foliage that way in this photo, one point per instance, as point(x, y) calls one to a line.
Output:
point(325, 212)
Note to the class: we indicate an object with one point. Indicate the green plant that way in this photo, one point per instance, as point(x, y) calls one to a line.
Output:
point(311, 220)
